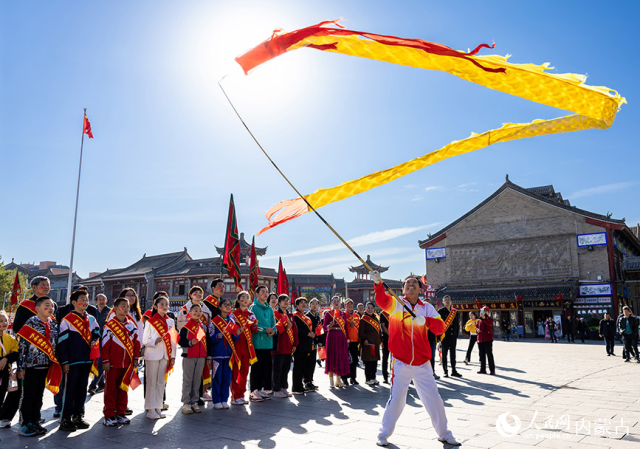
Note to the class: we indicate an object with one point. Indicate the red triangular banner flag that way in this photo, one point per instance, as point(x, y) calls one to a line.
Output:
point(231, 256)
point(16, 290)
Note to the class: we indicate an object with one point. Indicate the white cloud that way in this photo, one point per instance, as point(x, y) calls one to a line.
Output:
point(430, 188)
point(601, 189)
point(462, 186)
point(367, 239)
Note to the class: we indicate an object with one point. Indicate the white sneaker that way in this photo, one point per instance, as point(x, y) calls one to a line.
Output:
point(451, 440)
point(160, 414)
point(5, 423)
point(382, 441)
point(225, 405)
point(287, 392)
point(280, 394)
point(217, 406)
point(239, 401)
point(196, 408)
point(265, 394)
point(165, 406)
point(370, 382)
point(187, 409)
point(207, 397)
point(151, 414)
point(256, 397)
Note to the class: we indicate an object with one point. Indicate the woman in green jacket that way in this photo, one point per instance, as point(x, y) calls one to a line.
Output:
point(260, 377)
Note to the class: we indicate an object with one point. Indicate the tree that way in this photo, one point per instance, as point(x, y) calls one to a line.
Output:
point(6, 286)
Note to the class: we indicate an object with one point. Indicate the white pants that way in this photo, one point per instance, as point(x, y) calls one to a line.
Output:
point(422, 377)
point(154, 371)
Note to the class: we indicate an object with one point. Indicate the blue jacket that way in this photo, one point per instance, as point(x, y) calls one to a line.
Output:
point(220, 348)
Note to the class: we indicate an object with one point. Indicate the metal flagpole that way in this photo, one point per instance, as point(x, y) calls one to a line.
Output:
point(75, 217)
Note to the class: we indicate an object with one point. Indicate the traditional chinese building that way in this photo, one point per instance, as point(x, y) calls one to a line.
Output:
point(175, 273)
point(528, 254)
point(58, 277)
point(361, 288)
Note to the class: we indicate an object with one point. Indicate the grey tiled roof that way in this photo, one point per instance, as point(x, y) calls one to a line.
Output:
point(529, 192)
point(362, 269)
point(315, 279)
point(245, 247)
point(150, 263)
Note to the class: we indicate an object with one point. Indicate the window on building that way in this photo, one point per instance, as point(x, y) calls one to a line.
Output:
point(181, 289)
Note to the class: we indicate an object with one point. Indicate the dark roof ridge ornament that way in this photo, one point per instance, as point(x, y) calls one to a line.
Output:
point(507, 178)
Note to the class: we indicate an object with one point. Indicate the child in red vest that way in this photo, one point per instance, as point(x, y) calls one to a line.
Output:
point(244, 347)
point(287, 340)
point(193, 340)
point(119, 354)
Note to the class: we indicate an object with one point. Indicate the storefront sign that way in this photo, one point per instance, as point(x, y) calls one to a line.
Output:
point(595, 290)
point(436, 253)
point(543, 303)
point(508, 305)
point(596, 239)
point(594, 300)
point(315, 288)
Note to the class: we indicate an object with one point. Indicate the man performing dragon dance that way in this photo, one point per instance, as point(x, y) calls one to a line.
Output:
point(411, 352)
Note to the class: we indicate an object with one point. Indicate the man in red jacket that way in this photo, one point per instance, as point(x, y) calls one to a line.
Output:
point(485, 341)
point(409, 345)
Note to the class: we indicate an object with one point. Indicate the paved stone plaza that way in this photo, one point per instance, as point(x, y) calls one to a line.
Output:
point(565, 396)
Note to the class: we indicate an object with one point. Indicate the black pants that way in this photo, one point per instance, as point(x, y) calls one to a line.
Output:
point(432, 343)
point(610, 343)
point(552, 334)
point(310, 367)
point(486, 352)
point(76, 391)
point(449, 348)
point(472, 342)
point(300, 361)
point(630, 346)
point(385, 359)
point(355, 356)
point(370, 369)
point(11, 402)
point(4, 384)
point(570, 337)
point(34, 381)
point(260, 376)
point(281, 364)
point(582, 335)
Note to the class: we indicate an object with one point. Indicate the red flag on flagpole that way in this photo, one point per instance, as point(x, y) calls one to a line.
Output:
point(254, 270)
point(16, 290)
point(281, 287)
point(286, 281)
point(231, 256)
point(294, 292)
point(478, 303)
point(86, 127)
point(518, 298)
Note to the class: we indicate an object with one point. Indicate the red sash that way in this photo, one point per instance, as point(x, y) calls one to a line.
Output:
point(353, 318)
point(199, 334)
point(245, 324)
point(370, 320)
point(212, 301)
point(284, 319)
point(54, 375)
point(81, 325)
point(122, 334)
point(222, 326)
point(335, 314)
point(306, 320)
point(29, 305)
point(160, 325)
point(449, 319)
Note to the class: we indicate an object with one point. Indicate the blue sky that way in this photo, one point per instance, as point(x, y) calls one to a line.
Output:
point(168, 149)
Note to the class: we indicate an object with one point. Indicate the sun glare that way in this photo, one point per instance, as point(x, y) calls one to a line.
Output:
point(217, 40)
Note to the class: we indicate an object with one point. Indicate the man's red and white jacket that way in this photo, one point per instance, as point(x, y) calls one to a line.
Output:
point(408, 342)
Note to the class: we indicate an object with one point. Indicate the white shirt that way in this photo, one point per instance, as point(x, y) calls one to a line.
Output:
point(155, 351)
